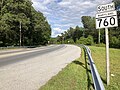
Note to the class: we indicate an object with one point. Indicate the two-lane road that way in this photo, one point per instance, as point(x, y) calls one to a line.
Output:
point(10, 57)
point(30, 69)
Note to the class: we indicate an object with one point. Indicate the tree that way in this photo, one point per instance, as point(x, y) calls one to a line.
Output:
point(72, 34)
point(77, 33)
point(89, 25)
point(35, 28)
point(117, 6)
point(88, 22)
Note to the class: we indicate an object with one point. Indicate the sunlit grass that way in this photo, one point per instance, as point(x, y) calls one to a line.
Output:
point(73, 77)
point(76, 76)
point(98, 54)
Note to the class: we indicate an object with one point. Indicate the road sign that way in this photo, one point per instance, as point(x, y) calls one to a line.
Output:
point(106, 7)
point(106, 19)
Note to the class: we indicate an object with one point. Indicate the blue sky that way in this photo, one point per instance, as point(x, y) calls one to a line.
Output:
point(62, 14)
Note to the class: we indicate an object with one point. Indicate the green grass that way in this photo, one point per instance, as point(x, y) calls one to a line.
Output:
point(9, 48)
point(98, 54)
point(76, 76)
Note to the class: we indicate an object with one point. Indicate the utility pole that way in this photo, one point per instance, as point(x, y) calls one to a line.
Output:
point(20, 33)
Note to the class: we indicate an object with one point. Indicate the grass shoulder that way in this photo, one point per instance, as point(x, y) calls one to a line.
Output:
point(77, 76)
point(99, 57)
point(72, 77)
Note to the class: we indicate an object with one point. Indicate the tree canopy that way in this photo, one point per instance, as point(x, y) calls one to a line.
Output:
point(35, 29)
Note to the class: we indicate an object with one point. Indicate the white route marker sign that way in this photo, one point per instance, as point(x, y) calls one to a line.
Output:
point(107, 19)
point(106, 16)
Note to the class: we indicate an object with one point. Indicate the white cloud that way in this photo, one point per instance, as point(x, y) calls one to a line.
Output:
point(39, 6)
point(64, 3)
point(62, 14)
point(47, 1)
point(56, 32)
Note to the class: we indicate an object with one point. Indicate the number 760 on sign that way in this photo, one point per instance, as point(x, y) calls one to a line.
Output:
point(106, 20)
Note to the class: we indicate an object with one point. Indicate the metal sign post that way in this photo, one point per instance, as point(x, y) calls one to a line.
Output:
point(99, 36)
point(105, 18)
point(107, 57)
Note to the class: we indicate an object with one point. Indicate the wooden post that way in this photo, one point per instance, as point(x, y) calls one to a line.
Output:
point(107, 57)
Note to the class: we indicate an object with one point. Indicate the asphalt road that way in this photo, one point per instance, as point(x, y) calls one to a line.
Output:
point(30, 69)
point(33, 53)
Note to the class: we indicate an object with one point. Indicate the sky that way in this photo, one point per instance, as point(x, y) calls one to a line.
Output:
point(63, 14)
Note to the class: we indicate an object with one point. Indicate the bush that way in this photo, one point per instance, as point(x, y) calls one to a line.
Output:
point(87, 41)
point(100, 45)
point(90, 40)
point(69, 41)
point(82, 40)
point(114, 42)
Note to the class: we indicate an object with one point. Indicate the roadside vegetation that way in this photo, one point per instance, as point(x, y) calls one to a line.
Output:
point(19, 16)
point(77, 76)
point(73, 77)
point(98, 54)
point(88, 34)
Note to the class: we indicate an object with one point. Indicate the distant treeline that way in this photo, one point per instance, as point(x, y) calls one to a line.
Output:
point(16, 14)
point(89, 34)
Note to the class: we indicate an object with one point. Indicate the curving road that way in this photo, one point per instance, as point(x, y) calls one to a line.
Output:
point(13, 56)
point(29, 69)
